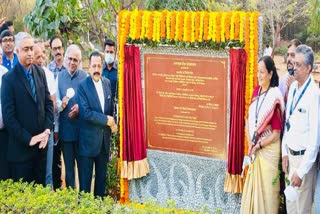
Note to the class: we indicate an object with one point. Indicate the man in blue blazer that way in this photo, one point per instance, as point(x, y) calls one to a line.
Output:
point(28, 115)
point(96, 125)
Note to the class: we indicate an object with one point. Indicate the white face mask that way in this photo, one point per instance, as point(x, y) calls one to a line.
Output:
point(109, 58)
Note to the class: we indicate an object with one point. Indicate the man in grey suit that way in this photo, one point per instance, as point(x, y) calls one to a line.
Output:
point(96, 125)
point(67, 105)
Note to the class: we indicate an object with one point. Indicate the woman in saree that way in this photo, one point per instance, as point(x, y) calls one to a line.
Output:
point(265, 121)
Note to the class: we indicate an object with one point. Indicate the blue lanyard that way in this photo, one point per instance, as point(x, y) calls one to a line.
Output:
point(299, 98)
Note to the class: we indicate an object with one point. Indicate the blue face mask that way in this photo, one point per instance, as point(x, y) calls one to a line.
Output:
point(109, 58)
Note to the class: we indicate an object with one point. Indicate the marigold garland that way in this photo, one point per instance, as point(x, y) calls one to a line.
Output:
point(218, 28)
point(205, 26)
point(227, 25)
point(121, 35)
point(138, 24)
point(193, 22)
point(211, 27)
point(197, 26)
point(173, 24)
point(156, 27)
point(187, 27)
point(168, 25)
point(163, 24)
point(232, 20)
point(222, 25)
point(150, 31)
point(236, 25)
point(202, 14)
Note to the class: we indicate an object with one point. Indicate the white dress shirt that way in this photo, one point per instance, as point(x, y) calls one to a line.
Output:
point(3, 70)
point(99, 89)
point(303, 132)
point(50, 81)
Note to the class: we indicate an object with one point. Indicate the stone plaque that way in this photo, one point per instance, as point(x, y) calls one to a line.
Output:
point(186, 104)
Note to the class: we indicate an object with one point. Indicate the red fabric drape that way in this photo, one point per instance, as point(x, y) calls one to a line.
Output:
point(134, 142)
point(236, 135)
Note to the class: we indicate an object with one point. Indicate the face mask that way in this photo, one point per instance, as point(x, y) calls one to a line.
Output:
point(109, 58)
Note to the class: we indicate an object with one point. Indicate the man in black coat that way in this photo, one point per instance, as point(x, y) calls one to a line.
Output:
point(28, 115)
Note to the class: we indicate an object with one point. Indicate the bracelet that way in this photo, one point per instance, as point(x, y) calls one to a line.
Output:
point(260, 145)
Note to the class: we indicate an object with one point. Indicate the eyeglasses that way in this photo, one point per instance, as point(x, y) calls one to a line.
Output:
point(7, 40)
point(298, 65)
point(73, 60)
point(291, 54)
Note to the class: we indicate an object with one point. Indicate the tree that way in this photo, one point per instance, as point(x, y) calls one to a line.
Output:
point(83, 21)
point(315, 16)
point(198, 5)
point(277, 14)
point(15, 10)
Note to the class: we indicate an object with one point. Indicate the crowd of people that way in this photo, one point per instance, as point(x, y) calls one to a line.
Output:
point(54, 110)
point(283, 121)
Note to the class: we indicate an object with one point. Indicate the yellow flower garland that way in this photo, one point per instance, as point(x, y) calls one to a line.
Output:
point(201, 26)
point(232, 20)
point(223, 30)
point(193, 22)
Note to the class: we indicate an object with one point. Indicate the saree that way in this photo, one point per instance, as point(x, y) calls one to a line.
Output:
point(260, 195)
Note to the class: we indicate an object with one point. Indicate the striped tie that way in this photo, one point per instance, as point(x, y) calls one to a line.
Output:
point(32, 85)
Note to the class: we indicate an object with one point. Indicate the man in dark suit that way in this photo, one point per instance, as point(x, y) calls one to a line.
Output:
point(96, 125)
point(28, 115)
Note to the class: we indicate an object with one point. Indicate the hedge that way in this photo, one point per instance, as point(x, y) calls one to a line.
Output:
point(22, 197)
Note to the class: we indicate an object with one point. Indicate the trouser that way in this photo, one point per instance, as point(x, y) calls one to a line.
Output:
point(70, 155)
point(85, 172)
point(4, 168)
point(30, 170)
point(49, 160)
point(306, 190)
point(56, 166)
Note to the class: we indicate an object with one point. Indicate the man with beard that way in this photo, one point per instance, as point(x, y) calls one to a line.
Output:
point(67, 105)
point(288, 78)
point(96, 125)
point(56, 66)
point(28, 115)
point(9, 58)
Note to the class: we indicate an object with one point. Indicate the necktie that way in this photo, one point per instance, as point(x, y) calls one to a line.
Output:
point(32, 85)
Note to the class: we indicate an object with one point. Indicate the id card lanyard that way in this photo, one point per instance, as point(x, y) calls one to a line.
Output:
point(293, 107)
point(258, 108)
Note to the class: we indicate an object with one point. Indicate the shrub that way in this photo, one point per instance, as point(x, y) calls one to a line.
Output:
point(22, 197)
point(280, 50)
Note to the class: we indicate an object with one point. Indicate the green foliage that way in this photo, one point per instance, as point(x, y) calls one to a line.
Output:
point(313, 40)
point(315, 16)
point(180, 44)
point(113, 179)
point(280, 50)
point(64, 17)
point(21, 197)
point(85, 22)
point(188, 5)
point(196, 5)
